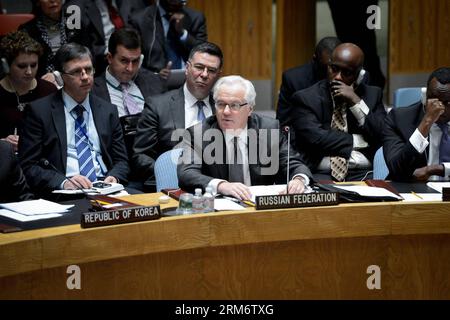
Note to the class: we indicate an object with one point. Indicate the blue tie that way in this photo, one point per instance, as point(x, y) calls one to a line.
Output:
point(444, 146)
point(85, 163)
point(200, 115)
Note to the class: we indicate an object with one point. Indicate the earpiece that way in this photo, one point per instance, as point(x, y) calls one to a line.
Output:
point(360, 78)
point(58, 79)
point(141, 60)
point(423, 95)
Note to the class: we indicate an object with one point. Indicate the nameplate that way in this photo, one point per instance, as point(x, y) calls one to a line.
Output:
point(119, 216)
point(280, 201)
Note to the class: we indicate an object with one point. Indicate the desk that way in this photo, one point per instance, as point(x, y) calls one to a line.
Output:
point(303, 253)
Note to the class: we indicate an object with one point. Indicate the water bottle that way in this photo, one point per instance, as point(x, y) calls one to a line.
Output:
point(197, 201)
point(208, 200)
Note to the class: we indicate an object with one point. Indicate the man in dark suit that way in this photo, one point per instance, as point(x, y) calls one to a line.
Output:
point(416, 143)
point(13, 186)
point(235, 156)
point(169, 32)
point(338, 121)
point(124, 79)
point(304, 76)
point(176, 109)
point(78, 133)
point(99, 19)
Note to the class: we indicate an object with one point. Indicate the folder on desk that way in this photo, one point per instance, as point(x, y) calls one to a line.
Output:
point(354, 196)
point(173, 193)
point(102, 202)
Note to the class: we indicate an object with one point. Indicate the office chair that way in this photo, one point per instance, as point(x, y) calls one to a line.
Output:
point(166, 170)
point(10, 22)
point(404, 97)
point(380, 169)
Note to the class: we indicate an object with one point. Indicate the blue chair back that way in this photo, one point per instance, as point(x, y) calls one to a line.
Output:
point(404, 97)
point(166, 170)
point(380, 169)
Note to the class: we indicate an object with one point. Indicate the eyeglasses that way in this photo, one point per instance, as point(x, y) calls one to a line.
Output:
point(200, 68)
point(79, 72)
point(233, 106)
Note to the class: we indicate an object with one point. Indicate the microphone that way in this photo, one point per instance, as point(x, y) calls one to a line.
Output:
point(45, 163)
point(287, 129)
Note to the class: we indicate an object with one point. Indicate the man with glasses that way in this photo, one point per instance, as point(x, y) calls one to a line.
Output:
point(176, 109)
point(248, 149)
point(72, 133)
point(338, 121)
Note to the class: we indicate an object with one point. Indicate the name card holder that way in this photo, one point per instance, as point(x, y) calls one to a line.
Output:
point(280, 201)
point(445, 194)
point(119, 216)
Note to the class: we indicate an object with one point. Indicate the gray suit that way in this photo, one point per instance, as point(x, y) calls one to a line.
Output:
point(160, 117)
point(193, 175)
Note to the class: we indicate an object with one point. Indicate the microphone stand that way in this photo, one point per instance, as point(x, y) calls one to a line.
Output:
point(286, 129)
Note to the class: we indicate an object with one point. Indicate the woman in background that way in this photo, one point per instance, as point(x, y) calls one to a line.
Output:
point(20, 85)
point(49, 28)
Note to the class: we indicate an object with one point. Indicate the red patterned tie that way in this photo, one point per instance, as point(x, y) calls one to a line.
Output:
point(339, 165)
point(114, 15)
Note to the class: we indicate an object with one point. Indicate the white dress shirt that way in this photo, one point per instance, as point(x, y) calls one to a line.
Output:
point(191, 109)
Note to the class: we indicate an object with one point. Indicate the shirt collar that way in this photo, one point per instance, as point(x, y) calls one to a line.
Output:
point(190, 99)
point(242, 136)
point(70, 103)
point(111, 79)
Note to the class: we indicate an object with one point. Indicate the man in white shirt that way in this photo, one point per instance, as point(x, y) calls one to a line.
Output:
point(416, 143)
point(246, 149)
point(176, 109)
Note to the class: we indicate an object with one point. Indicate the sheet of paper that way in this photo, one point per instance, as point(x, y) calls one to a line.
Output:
point(421, 197)
point(369, 191)
point(36, 207)
point(438, 185)
point(24, 218)
point(225, 204)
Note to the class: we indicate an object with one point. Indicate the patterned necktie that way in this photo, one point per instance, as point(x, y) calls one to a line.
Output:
point(116, 19)
point(129, 103)
point(339, 165)
point(85, 162)
point(444, 146)
point(171, 48)
point(200, 114)
point(235, 168)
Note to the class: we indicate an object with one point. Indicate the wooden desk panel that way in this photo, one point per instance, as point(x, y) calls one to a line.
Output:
point(312, 253)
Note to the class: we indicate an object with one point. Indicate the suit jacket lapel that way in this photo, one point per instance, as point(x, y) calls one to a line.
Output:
point(59, 121)
point(102, 88)
point(96, 109)
point(177, 109)
point(94, 15)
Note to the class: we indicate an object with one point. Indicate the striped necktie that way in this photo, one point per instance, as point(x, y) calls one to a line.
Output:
point(85, 162)
point(339, 165)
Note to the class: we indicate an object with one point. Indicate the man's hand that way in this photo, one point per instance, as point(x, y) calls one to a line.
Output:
point(296, 185)
point(14, 140)
point(433, 110)
point(342, 92)
point(165, 72)
point(176, 23)
point(80, 181)
point(234, 189)
point(110, 179)
point(424, 173)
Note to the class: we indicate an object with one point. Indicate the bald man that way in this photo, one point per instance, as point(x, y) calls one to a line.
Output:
point(338, 121)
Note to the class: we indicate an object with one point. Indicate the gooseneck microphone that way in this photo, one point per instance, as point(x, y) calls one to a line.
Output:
point(287, 129)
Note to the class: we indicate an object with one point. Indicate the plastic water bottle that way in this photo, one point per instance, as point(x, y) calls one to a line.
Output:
point(197, 201)
point(208, 200)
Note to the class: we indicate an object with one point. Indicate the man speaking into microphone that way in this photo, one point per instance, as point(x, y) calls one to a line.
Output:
point(78, 133)
point(237, 148)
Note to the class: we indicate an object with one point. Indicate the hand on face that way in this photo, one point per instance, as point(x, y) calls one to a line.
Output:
point(434, 109)
point(342, 92)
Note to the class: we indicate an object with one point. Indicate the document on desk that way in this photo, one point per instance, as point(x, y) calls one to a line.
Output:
point(36, 207)
point(25, 218)
point(421, 197)
point(225, 204)
point(269, 190)
point(438, 185)
point(369, 191)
